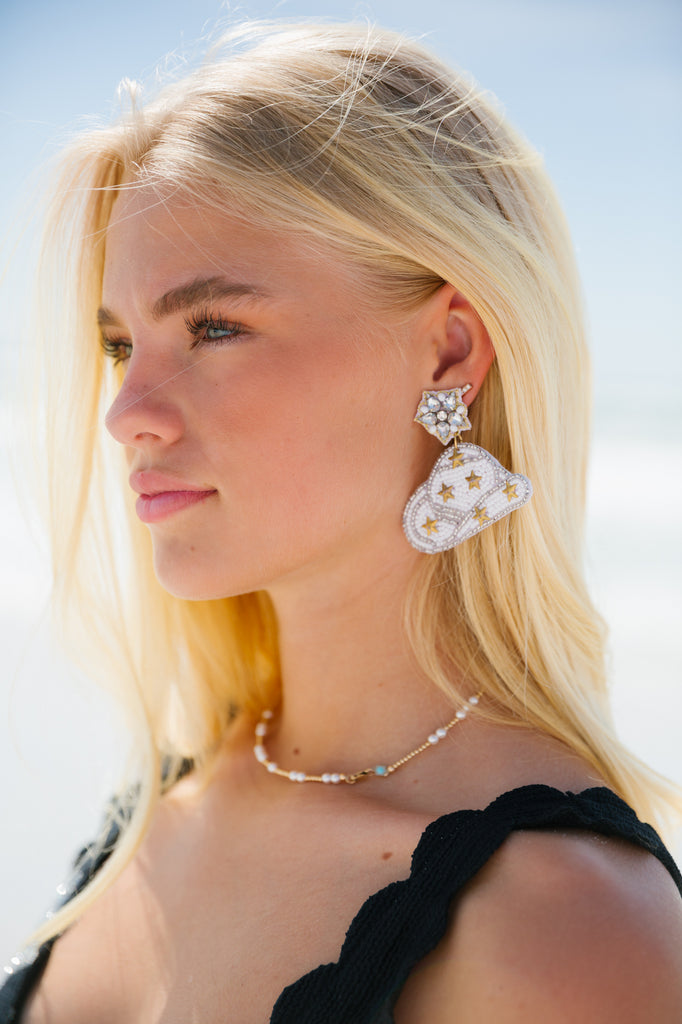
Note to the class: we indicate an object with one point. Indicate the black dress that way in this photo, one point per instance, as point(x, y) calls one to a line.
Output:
point(398, 925)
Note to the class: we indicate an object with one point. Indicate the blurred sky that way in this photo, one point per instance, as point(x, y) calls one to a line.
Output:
point(596, 85)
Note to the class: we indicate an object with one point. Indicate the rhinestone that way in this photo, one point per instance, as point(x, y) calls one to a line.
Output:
point(260, 753)
point(261, 729)
point(336, 777)
point(433, 738)
point(267, 714)
point(326, 777)
point(443, 429)
point(293, 776)
point(461, 714)
point(61, 889)
point(473, 700)
point(456, 420)
point(429, 417)
point(424, 409)
point(450, 399)
point(441, 733)
point(8, 969)
point(462, 410)
point(442, 415)
point(271, 766)
point(432, 402)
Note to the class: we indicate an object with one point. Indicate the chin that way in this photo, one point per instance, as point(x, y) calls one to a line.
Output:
point(187, 578)
point(193, 576)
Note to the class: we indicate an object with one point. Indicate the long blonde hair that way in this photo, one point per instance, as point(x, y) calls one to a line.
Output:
point(368, 144)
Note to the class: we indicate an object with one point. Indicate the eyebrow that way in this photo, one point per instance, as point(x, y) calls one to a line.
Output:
point(186, 296)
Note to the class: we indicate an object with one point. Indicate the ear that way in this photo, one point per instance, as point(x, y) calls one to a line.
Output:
point(461, 351)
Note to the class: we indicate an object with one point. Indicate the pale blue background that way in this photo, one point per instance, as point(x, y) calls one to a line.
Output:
point(597, 87)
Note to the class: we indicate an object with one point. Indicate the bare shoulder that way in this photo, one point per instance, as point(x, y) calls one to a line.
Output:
point(558, 927)
point(95, 962)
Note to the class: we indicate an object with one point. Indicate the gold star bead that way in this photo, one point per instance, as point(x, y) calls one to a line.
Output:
point(481, 515)
point(431, 526)
point(510, 490)
point(446, 492)
point(474, 481)
point(456, 458)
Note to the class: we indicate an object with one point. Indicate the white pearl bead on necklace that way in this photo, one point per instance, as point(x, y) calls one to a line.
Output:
point(333, 778)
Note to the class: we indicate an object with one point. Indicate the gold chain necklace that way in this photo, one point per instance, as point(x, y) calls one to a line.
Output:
point(333, 778)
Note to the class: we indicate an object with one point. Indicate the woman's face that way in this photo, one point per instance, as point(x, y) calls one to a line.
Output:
point(267, 401)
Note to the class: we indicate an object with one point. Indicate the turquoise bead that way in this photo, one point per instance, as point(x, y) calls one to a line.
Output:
point(380, 769)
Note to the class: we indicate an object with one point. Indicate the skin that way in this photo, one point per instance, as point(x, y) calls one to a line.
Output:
point(300, 427)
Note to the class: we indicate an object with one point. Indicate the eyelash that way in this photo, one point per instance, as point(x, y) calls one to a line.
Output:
point(198, 324)
point(116, 349)
point(120, 350)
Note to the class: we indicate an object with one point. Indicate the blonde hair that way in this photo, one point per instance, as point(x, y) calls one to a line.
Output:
point(369, 145)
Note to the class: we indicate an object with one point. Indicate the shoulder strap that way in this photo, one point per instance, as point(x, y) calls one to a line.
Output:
point(24, 970)
point(400, 924)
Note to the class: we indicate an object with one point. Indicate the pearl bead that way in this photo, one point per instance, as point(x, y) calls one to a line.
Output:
point(334, 778)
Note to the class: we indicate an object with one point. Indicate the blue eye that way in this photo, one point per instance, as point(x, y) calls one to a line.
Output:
point(206, 328)
point(214, 333)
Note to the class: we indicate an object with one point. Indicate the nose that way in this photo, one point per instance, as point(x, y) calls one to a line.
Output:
point(146, 409)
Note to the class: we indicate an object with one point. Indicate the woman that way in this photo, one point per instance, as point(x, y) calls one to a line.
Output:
point(346, 639)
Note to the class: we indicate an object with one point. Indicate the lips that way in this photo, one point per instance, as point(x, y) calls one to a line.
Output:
point(162, 495)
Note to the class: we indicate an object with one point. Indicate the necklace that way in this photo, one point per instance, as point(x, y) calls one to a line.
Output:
point(333, 778)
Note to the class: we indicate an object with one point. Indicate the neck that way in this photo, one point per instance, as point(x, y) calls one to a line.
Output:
point(353, 693)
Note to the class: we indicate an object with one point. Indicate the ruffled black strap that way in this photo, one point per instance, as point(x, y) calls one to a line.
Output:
point(21, 975)
point(400, 924)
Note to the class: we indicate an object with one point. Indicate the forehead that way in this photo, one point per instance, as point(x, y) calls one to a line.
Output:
point(150, 234)
point(155, 244)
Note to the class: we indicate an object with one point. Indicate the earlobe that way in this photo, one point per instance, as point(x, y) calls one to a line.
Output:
point(464, 351)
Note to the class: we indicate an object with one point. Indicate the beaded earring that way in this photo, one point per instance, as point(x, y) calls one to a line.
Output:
point(467, 488)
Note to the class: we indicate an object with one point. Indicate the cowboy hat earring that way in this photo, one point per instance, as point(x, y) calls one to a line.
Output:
point(467, 489)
